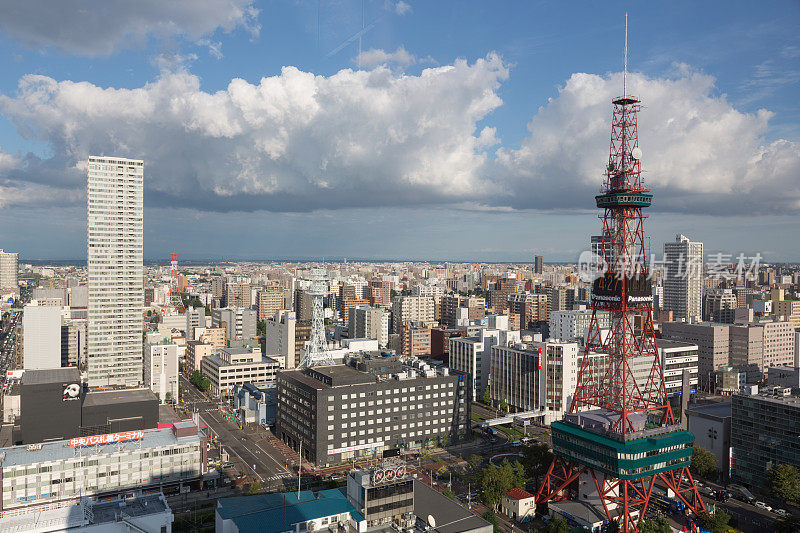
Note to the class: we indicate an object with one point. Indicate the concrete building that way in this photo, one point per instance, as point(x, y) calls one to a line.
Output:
point(711, 426)
point(411, 309)
point(538, 264)
point(756, 346)
point(370, 405)
point(719, 305)
point(474, 306)
point(518, 378)
point(560, 299)
point(784, 376)
point(472, 355)
point(530, 307)
point(574, 324)
point(270, 299)
point(256, 403)
point(440, 341)
point(519, 505)
point(64, 470)
point(765, 432)
point(73, 341)
point(237, 366)
point(415, 340)
point(196, 351)
point(161, 370)
point(789, 309)
point(216, 337)
point(281, 337)
point(713, 346)
point(41, 337)
point(349, 303)
point(683, 278)
point(239, 323)
point(195, 318)
point(9, 271)
point(114, 259)
point(370, 323)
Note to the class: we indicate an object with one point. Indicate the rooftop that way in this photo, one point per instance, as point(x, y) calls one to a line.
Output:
point(60, 450)
point(53, 375)
point(275, 513)
point(115, 396)
point(714, 410)
point(519, 494)
point(450, 516)
point(670, 344)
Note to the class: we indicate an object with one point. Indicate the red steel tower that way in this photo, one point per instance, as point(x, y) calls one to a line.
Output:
point(619, 444)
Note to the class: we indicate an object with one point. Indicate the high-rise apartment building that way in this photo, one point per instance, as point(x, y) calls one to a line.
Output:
point(719, 305)
point(370, 323)
point(683, 278)
point(9, 270)
point(411, 309)
point(713, 345)
point(114, 258)
point(239, 323)
point(538, 264)
point(270, 299)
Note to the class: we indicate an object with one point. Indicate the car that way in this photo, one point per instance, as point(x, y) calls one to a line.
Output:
point(781, 512)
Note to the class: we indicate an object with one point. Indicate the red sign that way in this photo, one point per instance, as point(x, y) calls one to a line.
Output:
point(108, 438)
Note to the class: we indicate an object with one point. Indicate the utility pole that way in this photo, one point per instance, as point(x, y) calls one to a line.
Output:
point(299, 470)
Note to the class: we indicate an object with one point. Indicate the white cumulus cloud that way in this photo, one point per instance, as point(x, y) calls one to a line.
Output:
point(377, 56)
point(292, 142)
point(101, 27)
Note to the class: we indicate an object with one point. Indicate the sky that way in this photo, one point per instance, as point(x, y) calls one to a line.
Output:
point(398, 129)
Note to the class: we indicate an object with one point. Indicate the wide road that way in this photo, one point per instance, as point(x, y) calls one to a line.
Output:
point(248, 448)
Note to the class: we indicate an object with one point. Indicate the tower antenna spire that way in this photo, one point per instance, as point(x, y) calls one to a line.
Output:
point(625, 60)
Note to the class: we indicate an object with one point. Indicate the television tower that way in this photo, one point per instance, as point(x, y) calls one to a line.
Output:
point(175, 300)
point(317, 350)
point(619, 437)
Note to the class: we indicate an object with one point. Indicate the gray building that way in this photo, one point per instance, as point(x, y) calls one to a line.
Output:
point(765, 432)
point(713, 346)
point(370, 404)
point(239, 323)
point(683, 278)
point(711, 426)
point(518, 378)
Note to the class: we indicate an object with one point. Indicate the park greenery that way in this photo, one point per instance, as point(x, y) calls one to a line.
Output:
point(716, 522)
point(703, 462)
point(784, 482)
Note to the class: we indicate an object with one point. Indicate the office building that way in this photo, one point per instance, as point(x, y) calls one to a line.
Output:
point(41, 327)
point(471, 355)
point(560, 299)
point(9, 271)
point(518, 378)
point(73, 341)
point(195, 318)
point(161, 370)
point(756, 346)
point(713, 346)
point(63, 470)
point(764, 433)
point(440, 341)
point(216, 337)
point(281, 337)
point(719, 305)
point(531, 308)
point(270, 299)
point(349, 303)
point(574, 324)
point(114, 259)
point(474, 307)
point(196, 351)
point(369, 405)
point(370, 323)
point(256, 403)
point(237, 366)
point(411, 309)
point(784, 376)
point(238, 323)
point(237, 295)
point(683, 278)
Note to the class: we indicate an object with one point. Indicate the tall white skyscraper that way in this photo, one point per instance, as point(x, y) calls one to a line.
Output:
point(41, 330)
point(9, 270)
point(114, 254)
point(683, 279)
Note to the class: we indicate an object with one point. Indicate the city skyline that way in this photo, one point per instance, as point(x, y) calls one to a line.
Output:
point(284, 157)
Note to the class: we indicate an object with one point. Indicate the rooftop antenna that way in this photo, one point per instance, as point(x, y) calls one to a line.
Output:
point(625, 61)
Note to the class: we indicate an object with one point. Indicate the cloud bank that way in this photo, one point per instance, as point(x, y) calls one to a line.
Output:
point(369, 138)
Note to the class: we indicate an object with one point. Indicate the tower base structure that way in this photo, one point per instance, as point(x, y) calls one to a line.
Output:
point(615, 476)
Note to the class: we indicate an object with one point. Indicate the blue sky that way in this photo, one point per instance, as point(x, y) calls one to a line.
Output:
point(466, 130)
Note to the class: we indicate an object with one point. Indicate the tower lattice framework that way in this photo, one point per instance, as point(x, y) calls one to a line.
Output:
point(620, 437)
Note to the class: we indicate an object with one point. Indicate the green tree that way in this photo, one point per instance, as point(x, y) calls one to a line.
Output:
point(254, 487)
point(450, 494)
point(490, 517)
point(557, 525)
point(503, 406)
point(496, 482)
point(703, 461)
point(784, 482)
point(655, 525)
point(790, 524)
point(487, 396)
point(474, 471)
point(200, 381)
point(537, 459)
point(261, 328)
point(716, 522)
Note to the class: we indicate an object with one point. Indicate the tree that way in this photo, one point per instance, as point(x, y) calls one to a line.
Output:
point(655, 525)
point(784, 482)
point(254, 487)
point(537, 459)
point(487, 396)
point(474, 470)
point(497, 482)
point(261, 328)
point(612, 527)
point(449, 493)
point(716, 522)
point(490, 517)
point(557, 525)
point(703, 461)
point(200, 381)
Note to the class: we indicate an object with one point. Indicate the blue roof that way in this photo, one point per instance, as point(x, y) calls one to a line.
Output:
point(274, 513)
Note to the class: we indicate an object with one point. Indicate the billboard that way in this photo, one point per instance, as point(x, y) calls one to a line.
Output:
point(108, 438)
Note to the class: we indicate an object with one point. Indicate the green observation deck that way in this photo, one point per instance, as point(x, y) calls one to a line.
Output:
point(629, 459)
point(624, 199)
